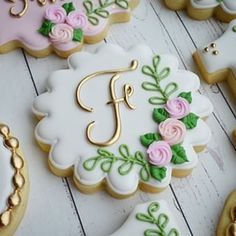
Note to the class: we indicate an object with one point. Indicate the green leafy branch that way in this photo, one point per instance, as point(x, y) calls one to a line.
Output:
point(106, 160)
point(93, 13)
point(154, 73)
point(161, 221)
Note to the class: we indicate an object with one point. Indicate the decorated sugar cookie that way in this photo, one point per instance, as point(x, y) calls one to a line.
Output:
point(13, 182)
point(61, 26)
point(224, 10)
point(227, 223)
point(122, 120)
point(216, 61)
point(152, 218)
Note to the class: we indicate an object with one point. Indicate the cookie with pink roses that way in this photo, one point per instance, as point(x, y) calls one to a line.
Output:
point(60, 26)
point(145, 124)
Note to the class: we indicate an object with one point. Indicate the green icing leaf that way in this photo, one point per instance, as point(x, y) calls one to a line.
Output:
point(149, 138)
point(46, 28)
point(122, 4)
point(186, 96)
point(178, 154)
point(157, 172)
point(125, 168)
point(102, 13)
point(234, 28)
point(159, 115)
point(106, 165)
point(77, 35)
point(144, 173)
point(69, 7)
point(190, 120)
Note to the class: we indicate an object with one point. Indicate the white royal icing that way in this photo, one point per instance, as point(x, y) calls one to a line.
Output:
point(225, 45)
point(65, 122)
point(133, 226)
point(6, 175)
point(228, 6)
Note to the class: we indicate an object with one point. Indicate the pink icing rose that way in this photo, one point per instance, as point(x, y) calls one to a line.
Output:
point(76, 20)
point(61, 33)
point(159, 153)
point(177, 108)
point(172, 131)
point(55, 14)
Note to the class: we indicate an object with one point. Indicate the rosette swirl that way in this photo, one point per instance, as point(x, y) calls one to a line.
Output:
point(76, 20)
point(159, 153)
point(177, 108)
point(61, 33)
point(55, 14)
point(172, 131)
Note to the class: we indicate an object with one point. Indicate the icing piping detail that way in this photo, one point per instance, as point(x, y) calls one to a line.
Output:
point(153, 72)
point(231, 229)
point(63, 24)
point(128, 91)
point(93, 14)
point(160, 221)
point(25, 7)
point(12, 144)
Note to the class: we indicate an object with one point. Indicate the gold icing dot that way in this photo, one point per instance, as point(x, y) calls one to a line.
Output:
point(17, 162)
point(232, 230)
point(213, 45)
point(5, 218)
point(4, 130)
point(18, 180)
point(215, 52)
point(12, 143)
point(14, 199)
point(206, 49)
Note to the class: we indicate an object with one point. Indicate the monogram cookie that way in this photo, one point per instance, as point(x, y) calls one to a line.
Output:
point(152, 218)
point(227, 222)
point(61, 26)
point(13, 182)
point(224, 10)
point(122, 120)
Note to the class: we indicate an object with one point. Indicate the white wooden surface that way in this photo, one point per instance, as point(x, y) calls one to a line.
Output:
point(55, 206)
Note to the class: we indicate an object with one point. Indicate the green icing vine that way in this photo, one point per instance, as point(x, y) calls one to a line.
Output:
point(158, 75)
point(93, 13)
point(107, 159)
point(161, 221)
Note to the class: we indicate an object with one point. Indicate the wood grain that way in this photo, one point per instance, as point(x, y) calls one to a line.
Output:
point(55, 206)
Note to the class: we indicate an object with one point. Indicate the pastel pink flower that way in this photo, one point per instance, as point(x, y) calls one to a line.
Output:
point(172, 131)
point(55, 14)
point(61, 33)
point(159, 153)
point(177, 108)
point(76, 20)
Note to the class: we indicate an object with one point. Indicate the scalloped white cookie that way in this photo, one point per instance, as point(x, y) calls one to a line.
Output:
point(224, 10)
point(42, 27)
point(13, 182)
point(151, 218)
point(122, 120)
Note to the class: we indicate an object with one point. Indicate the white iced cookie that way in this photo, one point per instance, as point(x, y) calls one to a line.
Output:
point(152, 218)
point(13, 183)
point(122, 120)
point(224, 10)
point(217, 61)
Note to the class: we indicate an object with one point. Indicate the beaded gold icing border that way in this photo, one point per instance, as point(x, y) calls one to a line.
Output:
point(17, 162)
